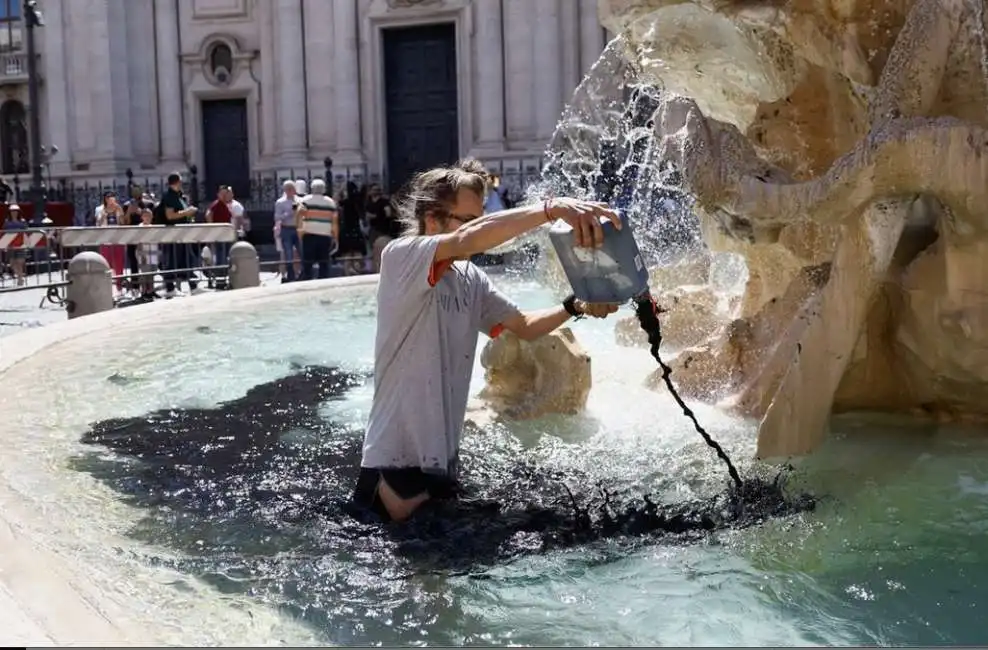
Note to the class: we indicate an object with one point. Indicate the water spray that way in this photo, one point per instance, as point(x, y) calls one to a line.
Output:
point(615, 273)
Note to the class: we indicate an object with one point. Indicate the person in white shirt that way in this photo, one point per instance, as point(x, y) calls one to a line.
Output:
point(98, 214)
point(286, 228)
point(147, 255)
point(238, 215)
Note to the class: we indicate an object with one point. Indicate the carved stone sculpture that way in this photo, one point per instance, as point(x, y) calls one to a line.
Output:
point(841, 147)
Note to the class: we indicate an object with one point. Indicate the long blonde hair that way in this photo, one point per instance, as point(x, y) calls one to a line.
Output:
point(436, 190)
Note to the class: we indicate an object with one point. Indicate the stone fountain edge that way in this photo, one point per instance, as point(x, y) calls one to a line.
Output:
point(44, 600)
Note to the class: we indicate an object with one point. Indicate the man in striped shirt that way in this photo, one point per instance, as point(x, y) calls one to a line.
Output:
point(319, 228)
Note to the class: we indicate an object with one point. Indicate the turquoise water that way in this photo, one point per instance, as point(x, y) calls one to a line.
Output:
point(894, 554)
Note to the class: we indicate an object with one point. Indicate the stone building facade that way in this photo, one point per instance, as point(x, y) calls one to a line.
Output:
point(238, 87)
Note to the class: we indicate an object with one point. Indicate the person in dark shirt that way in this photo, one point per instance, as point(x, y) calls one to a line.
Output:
point(177, 256)
point(132, 217)
point(382, 223)
point(380, 214)
point(353, 244)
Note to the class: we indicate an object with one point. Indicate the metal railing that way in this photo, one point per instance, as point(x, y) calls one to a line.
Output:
point(143, 259)
point(72, 202)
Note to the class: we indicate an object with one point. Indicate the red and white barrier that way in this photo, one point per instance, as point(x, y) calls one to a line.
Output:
point(193, 233)
point(22, 239)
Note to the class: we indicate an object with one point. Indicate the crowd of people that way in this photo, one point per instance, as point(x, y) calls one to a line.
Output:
point(365, 222)
point(14, 261)
point(316, 235)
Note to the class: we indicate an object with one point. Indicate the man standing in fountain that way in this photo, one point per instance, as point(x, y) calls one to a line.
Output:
point(432, 305)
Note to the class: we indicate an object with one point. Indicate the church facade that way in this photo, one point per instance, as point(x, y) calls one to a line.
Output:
point(241, 87)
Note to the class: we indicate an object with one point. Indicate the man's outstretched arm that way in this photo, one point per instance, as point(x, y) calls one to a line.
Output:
point(492, 230)
point(531, 325)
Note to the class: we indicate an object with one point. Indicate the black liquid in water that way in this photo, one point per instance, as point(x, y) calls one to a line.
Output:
point(253, 494)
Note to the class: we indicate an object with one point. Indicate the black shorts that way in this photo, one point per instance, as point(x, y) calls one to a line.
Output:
point(407, 482)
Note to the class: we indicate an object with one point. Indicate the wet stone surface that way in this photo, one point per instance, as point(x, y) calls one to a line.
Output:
point(253, 495)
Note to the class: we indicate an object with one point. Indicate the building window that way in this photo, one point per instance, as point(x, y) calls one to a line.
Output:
point(221, 63)
point(14, 157)
point(10, 25)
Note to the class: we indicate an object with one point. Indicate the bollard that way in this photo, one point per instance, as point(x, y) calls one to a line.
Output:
point(245, 266)
point(90, 289)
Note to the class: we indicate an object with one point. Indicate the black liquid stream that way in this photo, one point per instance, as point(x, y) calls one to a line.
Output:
point(648, 317)
point(748, 498)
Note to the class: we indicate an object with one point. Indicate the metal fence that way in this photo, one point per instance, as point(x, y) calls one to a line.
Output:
point(143, 260)
point(72, 203)
point(38, 256)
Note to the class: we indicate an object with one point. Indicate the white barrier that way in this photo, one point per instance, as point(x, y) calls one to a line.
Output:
point(191, 233)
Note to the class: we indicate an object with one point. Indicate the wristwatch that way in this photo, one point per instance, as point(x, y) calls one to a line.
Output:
point(570, 306)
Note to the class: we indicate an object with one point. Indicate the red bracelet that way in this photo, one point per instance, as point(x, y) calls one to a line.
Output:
point(545, 208)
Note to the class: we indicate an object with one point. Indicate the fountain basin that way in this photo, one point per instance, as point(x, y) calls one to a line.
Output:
point(902, 528)
point(45, 598)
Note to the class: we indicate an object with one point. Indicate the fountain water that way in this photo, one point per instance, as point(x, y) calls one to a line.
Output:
point(201, 499)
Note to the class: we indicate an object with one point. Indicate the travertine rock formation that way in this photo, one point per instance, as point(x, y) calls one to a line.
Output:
point(529, 379)
point(693, 314)
point(841, 147)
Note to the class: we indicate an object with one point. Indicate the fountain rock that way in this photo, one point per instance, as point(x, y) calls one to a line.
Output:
point(529, 379)
point(694, 269)
point(841, 148)
point(693, 314)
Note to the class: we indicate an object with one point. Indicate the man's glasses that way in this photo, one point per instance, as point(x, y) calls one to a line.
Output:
point(463, 219)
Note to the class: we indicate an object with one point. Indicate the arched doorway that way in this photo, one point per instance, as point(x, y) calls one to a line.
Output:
point(14, 157)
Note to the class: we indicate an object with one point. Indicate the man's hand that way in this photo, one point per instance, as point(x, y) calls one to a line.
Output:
point(584, 217)
point(596, 309)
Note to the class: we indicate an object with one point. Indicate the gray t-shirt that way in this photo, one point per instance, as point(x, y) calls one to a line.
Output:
point(429, 317)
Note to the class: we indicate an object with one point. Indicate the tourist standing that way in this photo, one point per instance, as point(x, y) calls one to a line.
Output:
point(319, 227)
point(132, 217)
point(381, 222)
point(98, 213)
point(17, 257)
point(238, 214)
point(219, 212)
point(115, 254)
point(493, 202)
point(352, 242)
point(147, 255)
point(286, 228)
point(174, 210)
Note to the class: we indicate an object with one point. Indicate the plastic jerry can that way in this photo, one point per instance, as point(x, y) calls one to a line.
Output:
point(614, 272)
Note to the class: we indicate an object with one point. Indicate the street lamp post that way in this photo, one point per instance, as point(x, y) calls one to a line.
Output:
point(33, 19)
